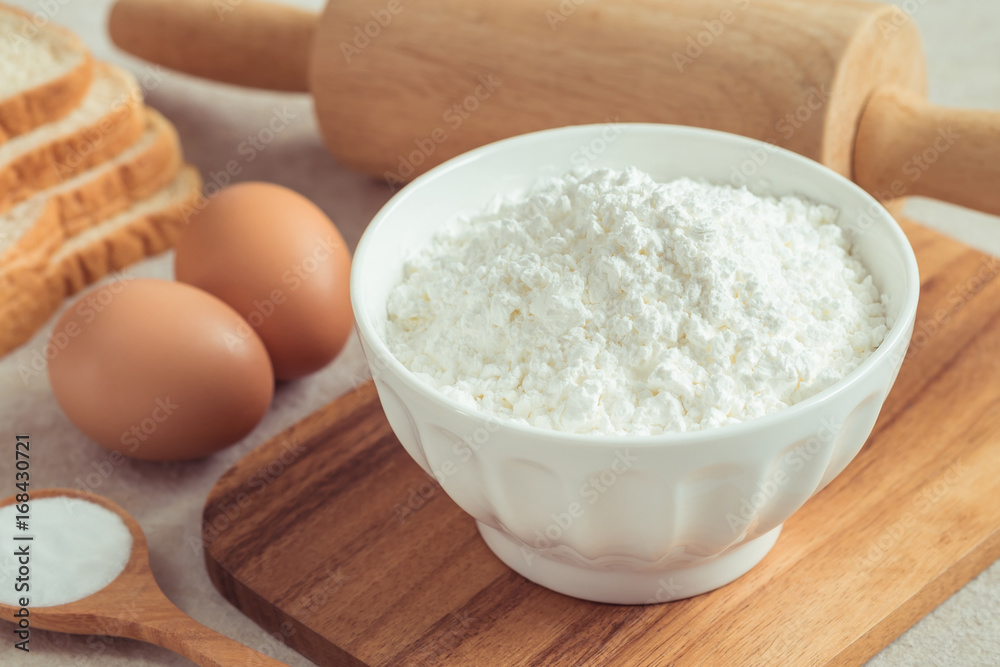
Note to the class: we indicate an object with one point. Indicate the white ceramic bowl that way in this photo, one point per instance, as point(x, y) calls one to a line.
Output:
point(630, 519)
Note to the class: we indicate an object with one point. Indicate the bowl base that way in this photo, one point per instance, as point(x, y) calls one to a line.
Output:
point(617, 587)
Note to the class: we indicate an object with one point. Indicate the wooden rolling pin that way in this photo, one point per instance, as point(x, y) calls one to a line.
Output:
point(402, 85)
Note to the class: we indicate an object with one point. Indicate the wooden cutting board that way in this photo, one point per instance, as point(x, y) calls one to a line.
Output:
point(332, 538)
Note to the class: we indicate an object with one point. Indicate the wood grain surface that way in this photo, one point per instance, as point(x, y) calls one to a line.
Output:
point(840, 81)
point(331, 538)
point(902, 136)
point(469, 72)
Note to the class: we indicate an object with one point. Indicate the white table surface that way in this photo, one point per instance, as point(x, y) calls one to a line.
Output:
point(962, 40)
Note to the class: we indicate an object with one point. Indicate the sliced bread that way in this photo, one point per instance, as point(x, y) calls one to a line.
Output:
point(108, 120)
point(30, 229)
point(44, 72)
point(140, 170)
point(147, 228)
point(41, 223)
point(30, 293)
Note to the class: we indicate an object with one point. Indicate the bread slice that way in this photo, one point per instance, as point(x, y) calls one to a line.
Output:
point(26, 302)
point(44, 72)
point(147, 228)
point(30, 231)
point(30, 291)
point(136, 173)
point(41, 223)
point(108, 120)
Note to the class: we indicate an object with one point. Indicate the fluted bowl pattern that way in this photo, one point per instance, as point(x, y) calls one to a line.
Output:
point(619, 518)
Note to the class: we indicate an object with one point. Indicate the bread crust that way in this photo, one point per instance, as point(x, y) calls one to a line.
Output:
point(49, 101)
point(115, 188)
point(68, 155)
point(143, 237)
point(27, 300)
point(40, 241)
point(124, 184)
point(32, 294)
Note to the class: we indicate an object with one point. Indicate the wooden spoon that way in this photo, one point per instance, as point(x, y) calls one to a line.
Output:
point(133, 606)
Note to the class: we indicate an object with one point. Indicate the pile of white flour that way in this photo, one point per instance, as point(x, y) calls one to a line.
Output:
point(605, 302)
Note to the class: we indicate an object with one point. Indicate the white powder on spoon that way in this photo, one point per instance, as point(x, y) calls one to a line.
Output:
point(78, 548)
point(605, 302)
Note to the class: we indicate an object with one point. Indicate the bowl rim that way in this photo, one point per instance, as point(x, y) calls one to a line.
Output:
point(901, 327)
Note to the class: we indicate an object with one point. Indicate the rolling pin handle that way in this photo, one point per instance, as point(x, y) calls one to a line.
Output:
point(907, 146)
point(243, 42)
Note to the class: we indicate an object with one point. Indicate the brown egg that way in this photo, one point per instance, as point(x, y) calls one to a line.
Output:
point(273, 256)
point(159, 370)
